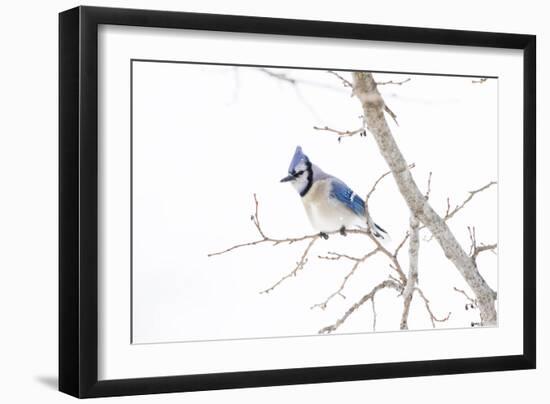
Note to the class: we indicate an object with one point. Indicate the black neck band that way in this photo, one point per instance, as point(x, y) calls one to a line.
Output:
point(309, 172)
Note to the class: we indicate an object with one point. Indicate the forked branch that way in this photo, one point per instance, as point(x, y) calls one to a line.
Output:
point(356, 262)
point(299, 265)
point(450, 213)
point(388, 283)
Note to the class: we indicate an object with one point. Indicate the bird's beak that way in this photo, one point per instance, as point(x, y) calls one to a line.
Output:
point(289, 177)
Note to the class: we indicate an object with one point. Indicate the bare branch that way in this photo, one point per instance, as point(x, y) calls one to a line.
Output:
point(473, 243)
point(429, 187)
point(465, 294)
point(296, 83)
point(264, 238)
point(345, 82)
point(390, 276)
point(433, 318)
point(471, 302)
point(375, 184)
point(343, 133)
point(289, 240)
point(391, 113)
point(483, 247)
point(299, 265)
point(369, 296)
point(256, 217)
point(412, 277)
point(357, 263)
point(333, 256)
point(450, 213)
point(411, 166)
point(396, 265)
point(398, 83)
point(280, 76)
point(448, 209)
point(401, 244)
point(476, 249)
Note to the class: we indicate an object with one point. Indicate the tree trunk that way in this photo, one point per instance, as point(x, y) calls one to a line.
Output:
point(364, 88)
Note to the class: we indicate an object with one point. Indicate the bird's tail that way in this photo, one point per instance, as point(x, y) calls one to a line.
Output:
point(380, 233)
point(377, 231)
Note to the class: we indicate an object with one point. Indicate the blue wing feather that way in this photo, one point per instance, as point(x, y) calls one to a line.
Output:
point(350, 199)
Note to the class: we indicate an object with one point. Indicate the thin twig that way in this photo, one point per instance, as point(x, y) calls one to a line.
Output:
point(448, 207)
point(471, 194)
point(476, 249)
point(357, 262)
point(266, 240)
point(299, 265)
point(401, 244)
point(391, 113)
point(472, 303)
point(333, 256)
point(449, 213)
point(473, 243)
point(280, 76)
point(429, 187)
point(483, 247)
point(433, 318)
point(396, 265)
point(343, 133)
point(255, 218)
point(345, 82)
point(398, 83)
point(373, 188)
point(392, 256)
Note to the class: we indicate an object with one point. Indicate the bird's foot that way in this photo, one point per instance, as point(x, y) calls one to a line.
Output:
point(343, 231)
point(323, 235)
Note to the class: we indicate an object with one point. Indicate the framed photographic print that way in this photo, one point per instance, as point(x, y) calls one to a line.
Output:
point(251, 201)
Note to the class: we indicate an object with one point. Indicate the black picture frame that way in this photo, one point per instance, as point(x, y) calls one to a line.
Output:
point(78, 201)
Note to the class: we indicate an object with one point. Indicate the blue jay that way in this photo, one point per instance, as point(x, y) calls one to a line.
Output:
point(329, 203)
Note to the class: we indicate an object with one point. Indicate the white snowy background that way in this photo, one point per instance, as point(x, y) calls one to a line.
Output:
point(206, 138)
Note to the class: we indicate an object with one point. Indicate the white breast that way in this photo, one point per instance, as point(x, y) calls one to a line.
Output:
point(327, 214)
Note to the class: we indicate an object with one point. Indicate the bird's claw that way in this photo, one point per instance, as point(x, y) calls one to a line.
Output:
point(343, 231)
point(323, 235)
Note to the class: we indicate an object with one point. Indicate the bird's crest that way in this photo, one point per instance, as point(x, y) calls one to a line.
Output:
point(299, 157)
